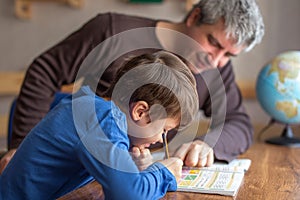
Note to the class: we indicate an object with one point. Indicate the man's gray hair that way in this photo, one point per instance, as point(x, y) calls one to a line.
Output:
point(243, 19)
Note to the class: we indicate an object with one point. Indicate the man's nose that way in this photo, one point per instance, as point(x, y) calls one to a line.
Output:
point(215, 58)
point(218, 59)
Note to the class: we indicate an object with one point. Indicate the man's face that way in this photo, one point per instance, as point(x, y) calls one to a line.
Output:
point(213, 40)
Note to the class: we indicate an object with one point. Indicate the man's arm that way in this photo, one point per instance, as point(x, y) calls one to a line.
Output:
point(230, 132)
point(235, 125)
point(48, 72)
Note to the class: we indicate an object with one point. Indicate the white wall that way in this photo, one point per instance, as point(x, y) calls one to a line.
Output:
point(282, 32)
point(22, 40)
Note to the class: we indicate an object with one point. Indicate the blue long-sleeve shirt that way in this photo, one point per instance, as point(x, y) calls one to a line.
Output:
point(81, 139)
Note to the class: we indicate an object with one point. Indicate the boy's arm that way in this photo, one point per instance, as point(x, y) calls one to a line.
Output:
point(121, 178)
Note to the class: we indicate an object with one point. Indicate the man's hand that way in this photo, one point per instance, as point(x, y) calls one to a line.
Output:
point(196, 153)
point(142, 158)
point(174, 165)
point(6, 158)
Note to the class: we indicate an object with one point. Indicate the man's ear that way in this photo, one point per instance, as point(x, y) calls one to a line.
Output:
point(139, 110)
point(193, 17)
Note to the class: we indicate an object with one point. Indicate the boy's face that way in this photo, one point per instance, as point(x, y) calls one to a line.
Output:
point(145, 133)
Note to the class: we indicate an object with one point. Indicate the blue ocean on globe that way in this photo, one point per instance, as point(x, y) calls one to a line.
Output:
point(278, 88)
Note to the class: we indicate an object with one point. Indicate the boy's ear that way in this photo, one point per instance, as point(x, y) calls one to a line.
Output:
point(139, 110)
point(194, 17)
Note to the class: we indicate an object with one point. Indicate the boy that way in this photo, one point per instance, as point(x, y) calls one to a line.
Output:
point(86, 137)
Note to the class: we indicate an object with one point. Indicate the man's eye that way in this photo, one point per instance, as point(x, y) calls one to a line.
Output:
point(228, 55)
point(212, 41)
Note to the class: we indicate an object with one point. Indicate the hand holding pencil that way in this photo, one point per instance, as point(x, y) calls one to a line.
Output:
point(173, 164)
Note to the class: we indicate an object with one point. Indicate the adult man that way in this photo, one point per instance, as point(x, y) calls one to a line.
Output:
point(223, 28)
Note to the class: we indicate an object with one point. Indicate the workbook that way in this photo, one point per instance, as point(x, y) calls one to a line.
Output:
point(223, 179)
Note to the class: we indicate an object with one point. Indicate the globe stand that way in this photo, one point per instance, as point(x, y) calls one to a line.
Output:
point(286, 139)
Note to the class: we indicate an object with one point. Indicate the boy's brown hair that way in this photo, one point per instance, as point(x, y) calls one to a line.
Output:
point(163, 81)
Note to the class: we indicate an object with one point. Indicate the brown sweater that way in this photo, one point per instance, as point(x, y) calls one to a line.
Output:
point(60, 65)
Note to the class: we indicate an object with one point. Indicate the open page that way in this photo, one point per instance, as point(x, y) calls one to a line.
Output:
point(224, 179)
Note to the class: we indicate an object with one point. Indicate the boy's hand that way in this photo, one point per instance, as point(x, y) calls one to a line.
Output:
point(142, 158)
point(174, 165)
point(196, 153)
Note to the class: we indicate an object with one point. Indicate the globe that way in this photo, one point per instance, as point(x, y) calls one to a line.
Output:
point(278, 88)
point(278, 92)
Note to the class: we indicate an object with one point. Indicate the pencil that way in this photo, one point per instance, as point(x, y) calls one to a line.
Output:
point(165, 142)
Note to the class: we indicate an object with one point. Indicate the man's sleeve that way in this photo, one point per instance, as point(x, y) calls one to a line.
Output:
point(49, 71)
point(231, 132)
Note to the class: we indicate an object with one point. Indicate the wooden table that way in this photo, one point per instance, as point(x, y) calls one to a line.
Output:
point(274, 174)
